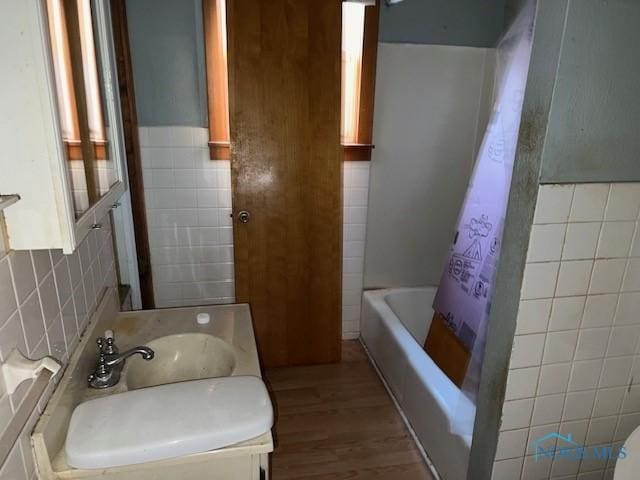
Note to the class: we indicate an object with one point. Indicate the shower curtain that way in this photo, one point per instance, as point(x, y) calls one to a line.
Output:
point(466, 285)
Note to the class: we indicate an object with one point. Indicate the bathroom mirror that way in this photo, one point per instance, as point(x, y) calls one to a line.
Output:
point(81, 64)
point(102, 135)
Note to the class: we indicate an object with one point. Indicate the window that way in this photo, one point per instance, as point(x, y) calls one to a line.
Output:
point(352, 37)
point(215, 43)
point(359, 48)
point(68, 97)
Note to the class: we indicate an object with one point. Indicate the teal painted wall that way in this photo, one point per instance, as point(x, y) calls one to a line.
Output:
point(473, 23)
point(167, 50)
point(594, 124)
point(168, 58)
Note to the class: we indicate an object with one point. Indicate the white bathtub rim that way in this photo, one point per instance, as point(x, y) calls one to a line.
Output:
point(448, 396)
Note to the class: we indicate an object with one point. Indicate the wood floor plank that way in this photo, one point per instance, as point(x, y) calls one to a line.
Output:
point(337, 422)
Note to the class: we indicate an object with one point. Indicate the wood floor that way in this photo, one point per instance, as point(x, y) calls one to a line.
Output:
point(338, 422)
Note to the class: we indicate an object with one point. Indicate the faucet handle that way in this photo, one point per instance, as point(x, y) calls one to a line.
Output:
point(110, 348)
point(106, 346)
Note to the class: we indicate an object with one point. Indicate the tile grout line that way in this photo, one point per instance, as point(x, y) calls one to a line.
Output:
point(589, 420)
point(575, 348)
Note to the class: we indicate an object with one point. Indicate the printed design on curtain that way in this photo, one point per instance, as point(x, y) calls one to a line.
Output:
point(463, 300)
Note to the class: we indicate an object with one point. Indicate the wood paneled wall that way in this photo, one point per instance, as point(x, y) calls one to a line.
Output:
point(284, 96)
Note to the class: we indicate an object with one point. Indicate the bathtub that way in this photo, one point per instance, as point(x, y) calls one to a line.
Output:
point(394, 326)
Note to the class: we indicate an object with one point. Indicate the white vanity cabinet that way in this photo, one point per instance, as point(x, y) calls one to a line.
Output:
point(232, 327)
point(39, 160)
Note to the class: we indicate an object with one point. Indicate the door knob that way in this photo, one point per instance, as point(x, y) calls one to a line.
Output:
point(244, 216)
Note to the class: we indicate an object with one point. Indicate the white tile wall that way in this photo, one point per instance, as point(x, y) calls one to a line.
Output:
point(78, 186)
point(575, 365)
point(188, 205)
point(46, 300)
point(355, 200)
point(105, 176)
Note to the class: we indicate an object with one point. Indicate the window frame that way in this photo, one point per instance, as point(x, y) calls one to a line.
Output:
point(362, 149)
point(216, 69)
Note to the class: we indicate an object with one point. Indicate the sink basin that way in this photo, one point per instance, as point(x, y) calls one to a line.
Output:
point(188, 356)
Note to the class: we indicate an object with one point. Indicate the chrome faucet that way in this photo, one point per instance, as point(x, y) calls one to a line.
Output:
point(111, 362)
point(117, 358)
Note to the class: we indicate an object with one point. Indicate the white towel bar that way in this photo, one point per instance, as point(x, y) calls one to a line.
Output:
point(14, 371)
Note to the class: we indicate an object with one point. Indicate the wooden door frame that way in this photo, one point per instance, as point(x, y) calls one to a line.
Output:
point(132, 147)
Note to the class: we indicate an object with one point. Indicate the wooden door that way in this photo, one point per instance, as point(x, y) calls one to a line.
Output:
point(284, 102)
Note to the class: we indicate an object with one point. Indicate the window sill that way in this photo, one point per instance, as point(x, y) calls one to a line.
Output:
point(219, 151)
point(357, 152)
point(74, 150)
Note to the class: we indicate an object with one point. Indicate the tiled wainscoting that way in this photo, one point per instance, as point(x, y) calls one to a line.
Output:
point(575, 365)
point(46, 300)
point(355, 200)
point(188, 205)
